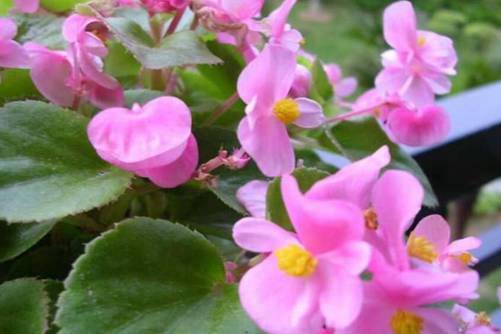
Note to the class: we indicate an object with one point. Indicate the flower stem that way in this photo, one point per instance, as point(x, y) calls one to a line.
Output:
point(175, 22)
point(222, 109)
point(353, 113)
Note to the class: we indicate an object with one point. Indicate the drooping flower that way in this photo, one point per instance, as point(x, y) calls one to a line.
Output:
point(12, 55)
point(313, 274)
point(252, 196)
point(420, 62)
point(26, 6)
point(343, 87)
point(152, 141)
point(430, 243)
point(264, 85)
point(76, 72)
point(472, 322)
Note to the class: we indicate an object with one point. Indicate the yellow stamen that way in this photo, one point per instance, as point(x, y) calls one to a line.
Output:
point(370, 217)
point(421, 248)
point(286, 110)
point(466, 258)
point(296, 261)
point(421, 41)
point(404, 322)
point(483, 319)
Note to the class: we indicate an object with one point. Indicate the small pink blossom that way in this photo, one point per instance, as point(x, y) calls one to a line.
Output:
point(420, 62)
point(26, 6)
point(78, 71)
point(302, 82)
point(343, 87)
point(252, 196)
point(313, 274)
point(152, 141)
point(472, 322)
point(264, 85)
point(12, 55)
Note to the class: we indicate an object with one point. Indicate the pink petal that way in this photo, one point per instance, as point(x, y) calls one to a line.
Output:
point(438, 52)
point(278, 18)
point(374, 317)
point(334, 72)
point(341, 296)
point(464, 245)
point(26, 6)
point(103, 97)
point(425, 126)
point(302, 81)
point(418, 91)
point(252, 196)
point(312, 114)
point(322, 226)
point(142, 138)
point(400, 26)
point(391, 79)
point(92, 68)
point(177, 172)
point(268, 144)
point(269, 76)
point(436, 230)
point(51, 73)
point(261, 236)
point(277, 302)
point(290, 39)
point(8, 29)
point(438, 82)
point(437, 321)
point(463, 313)
point(75, 25)
point(12, 55)
point(352, 257)
point(397, 198)
point(346, 87)
point(242, 10)
point(354, 182)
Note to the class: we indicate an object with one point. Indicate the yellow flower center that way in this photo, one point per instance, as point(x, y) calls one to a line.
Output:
point(286, 110)
point(421, 248)
point(483, 319)
point(296, 261)
point(466, 258)
point(421, 41)
point(404, 322)
point(370, 217)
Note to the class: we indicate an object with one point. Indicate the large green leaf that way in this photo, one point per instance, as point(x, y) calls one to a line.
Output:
point(58, 6)
point(178, 49)
point(150, 276)
point(141, 96)
point(358, 139)
point(17, 238)
point(275, 207)
point(48, 169)
point(5, 6)
point(42, 29)
point(16, 84)
point(23, 307)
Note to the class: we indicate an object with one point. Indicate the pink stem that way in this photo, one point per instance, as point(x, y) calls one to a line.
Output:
point(353, 113)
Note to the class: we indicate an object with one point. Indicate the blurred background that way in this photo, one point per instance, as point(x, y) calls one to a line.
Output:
point(349, 33)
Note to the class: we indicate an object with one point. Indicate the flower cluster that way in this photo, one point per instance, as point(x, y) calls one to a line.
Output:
point(347, 267)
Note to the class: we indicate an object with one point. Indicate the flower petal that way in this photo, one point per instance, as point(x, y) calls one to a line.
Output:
point(103, 97)
point(464, 245)
point(352, 257)
point(261, 236)
point(312, 114)
point(8, 29)
point(268, 144)
point(436, 230)
point(252, 196)
point(400, 26)
point(12, 55)
point(437, 321)
point(278, 18)
point(26, 6)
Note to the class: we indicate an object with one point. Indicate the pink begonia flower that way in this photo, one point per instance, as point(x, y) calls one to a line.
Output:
point(153, 141)
point(406, 123)
point(472, 322)
point(252, 196)
point(77, 72)
point(264, 85)
point(156, 6)
point(26, 6)
point(418, 66)
point(302, 82)
point(12, 55)
point(343, 87)
point(312, 275)
point(430, 243)
point(401, 301)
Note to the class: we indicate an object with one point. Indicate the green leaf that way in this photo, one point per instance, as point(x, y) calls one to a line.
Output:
point(181, 48)
point(42, 29)
point(359, 139)
point(16, 239)
point(59, 6)
point(150, 276)
point(5, 6)
point(141, 96)
point(121, 64)
point(321, 89)
point(48, 169)
point(16, 84)
point(275, 207)
point(23, 307)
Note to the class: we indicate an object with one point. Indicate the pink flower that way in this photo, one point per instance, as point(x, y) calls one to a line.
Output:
point(343, 87)
point(77, 72)
point(401, 301)
point(429, 243)
point(418, 66)
point(302, 82)
point(252, 196)
point(26, 6)
point(12, 55)
point(231, 11)
point(264, 85)
point(311, 277)
point(472, 322)
point(152, 141)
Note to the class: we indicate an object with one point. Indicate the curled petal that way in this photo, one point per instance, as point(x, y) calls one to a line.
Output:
point(312, 114)
point(75, 25)
point(278, 18)
point(261, 236)
point(103, 97)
